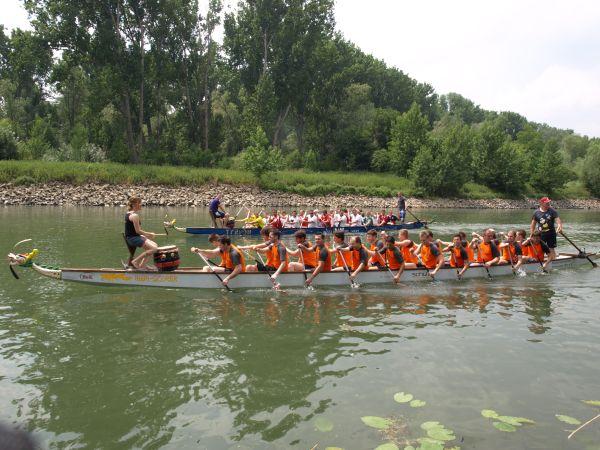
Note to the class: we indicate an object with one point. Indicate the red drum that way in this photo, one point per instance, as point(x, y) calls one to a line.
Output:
point(166, 258)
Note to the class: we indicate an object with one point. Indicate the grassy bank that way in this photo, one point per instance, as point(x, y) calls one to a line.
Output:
point(305, 183)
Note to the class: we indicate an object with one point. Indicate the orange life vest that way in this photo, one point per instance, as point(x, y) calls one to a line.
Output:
point(456, 259)
point(309, 256)
point(407, 255)
point(228, 263)
point(525, 250)
point(484, 253)
point(327, 267)
point(512, 255)
point(378, 258)
point(535, 251)
point(355, 259)
point(392, 262)
point(470, 253)
point(273, 258)
point(429, 260)
point(341, 257)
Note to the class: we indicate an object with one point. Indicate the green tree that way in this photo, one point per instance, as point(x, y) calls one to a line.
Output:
point(259, 157)
point(8, 141)
point(591, 169)
point(550, 172)
point(408, 134)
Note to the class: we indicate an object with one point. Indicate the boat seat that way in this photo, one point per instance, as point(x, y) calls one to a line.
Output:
point(131, 250)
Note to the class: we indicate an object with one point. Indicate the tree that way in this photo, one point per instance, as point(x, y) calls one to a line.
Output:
point(260, 158)
point(408, 134)
point(8, 141)
point(591, 169)
point(550, 172)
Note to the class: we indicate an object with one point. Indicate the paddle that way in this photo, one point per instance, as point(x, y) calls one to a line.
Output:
point(417, 219)
point(352, 283)
point(213, 270)
point(390, 271)
point(276, 285)
point(535, 255)
point(420, 265)
point(579, 250)
point(453, 256)
point(483, 263)
point(302, 262)
point(512, 265)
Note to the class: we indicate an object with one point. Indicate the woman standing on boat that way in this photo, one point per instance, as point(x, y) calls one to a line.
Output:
point(135, 236)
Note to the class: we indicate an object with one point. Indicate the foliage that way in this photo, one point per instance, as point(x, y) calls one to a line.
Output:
point(259, 157)
point(8, 141)
point(591, 170)
point(408, 135)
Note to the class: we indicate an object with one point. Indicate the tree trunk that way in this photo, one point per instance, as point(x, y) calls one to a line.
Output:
point(280, 120)
point(126, 109)
point(207, 94)
point(141, 117)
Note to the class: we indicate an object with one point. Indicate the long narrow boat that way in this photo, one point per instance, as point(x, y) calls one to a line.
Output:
point(290, 231)
point(195, 278)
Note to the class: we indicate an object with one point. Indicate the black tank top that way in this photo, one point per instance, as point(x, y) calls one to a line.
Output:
point(129, 227)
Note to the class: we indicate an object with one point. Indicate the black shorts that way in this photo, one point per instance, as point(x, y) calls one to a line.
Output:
point(262, 268)
point(308, 267)
point(378, 265)
point(217, 214)
point(549, 239)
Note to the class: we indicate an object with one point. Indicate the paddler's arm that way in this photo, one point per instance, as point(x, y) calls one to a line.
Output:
point(236, 270)
point(205, 252)
point(439, 265)
point(316, 272)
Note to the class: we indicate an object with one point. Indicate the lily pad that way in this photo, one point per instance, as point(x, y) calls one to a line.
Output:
point(417, 403)
point(429, 425)
point(381, 423)
point(430, 444)
point(489, 413)
point(591, 402)
point(441, 434)
point(388, 446)
point(323, 424)
point(568, 419)
point(403, 397)
point(510, 420)
point(524, 420)
point(502, 426)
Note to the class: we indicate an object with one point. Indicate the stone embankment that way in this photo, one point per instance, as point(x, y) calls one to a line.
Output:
point(62, 194)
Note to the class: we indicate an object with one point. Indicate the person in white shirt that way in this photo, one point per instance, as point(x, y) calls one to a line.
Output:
point(357, 219)
point(313, 219)
point(343, 219)
point(293, 221)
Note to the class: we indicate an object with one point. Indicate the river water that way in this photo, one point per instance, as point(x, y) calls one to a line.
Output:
point(118, 368)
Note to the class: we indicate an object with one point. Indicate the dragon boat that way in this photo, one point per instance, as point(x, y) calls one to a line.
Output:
point(196, 278)
point(290, 231)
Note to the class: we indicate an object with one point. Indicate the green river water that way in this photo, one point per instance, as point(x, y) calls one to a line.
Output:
point(117, 368)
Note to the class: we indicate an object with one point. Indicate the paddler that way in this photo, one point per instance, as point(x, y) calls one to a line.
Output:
point(459, 257)
point(407, 246)
point(393, 257)
point(136, 237)
point(511, 251)
point(213, 240)
point(429, 254)
point(216, 211)
point(376, 247)
point(323, 257)
point(233, 260)
point(487, 251)
point(305, 251)
point(355, 256)
point(537, 248)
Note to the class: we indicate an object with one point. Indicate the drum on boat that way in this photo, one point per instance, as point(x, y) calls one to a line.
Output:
point(166, 258)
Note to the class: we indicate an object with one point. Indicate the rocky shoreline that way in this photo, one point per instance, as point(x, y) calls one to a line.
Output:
point(63, 194)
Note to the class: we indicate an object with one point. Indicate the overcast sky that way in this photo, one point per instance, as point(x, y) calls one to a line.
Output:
point(538, 58)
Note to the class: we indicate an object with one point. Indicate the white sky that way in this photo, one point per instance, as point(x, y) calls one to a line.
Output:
point(540, 58)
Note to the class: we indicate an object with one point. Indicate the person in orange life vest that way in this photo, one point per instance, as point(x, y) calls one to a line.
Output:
point(233, 260)
point(511, 250)
point(543, 220)
point(406, 246)
point(340, 243)
point(213, 240)
point(277, 256)
point(487, 251)
point(305, 251)
point(323, 257)
point(520, 238)
point(538, 248)
point(376, 260)
point(459, 257)
point(264, 234)
point(356, 256)
point(393, 257)
point(466, 244)
point(429, 253)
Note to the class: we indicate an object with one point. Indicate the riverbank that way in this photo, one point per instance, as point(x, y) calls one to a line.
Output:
point(92, 194)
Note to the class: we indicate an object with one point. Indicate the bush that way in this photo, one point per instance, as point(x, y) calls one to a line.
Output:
point(591, 170)
point(23, 180)
point(8, 141)
point(260, 158)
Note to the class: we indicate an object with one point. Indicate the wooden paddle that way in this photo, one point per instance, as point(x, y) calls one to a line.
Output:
point(347, 270)
point(417, 219)
point(213, 271)
point(535, 255)
point(512, 265)
point(483, 263)
point(594, 265)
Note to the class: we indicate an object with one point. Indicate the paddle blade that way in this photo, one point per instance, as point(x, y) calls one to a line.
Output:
point(21, 242)
point(13, 272)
